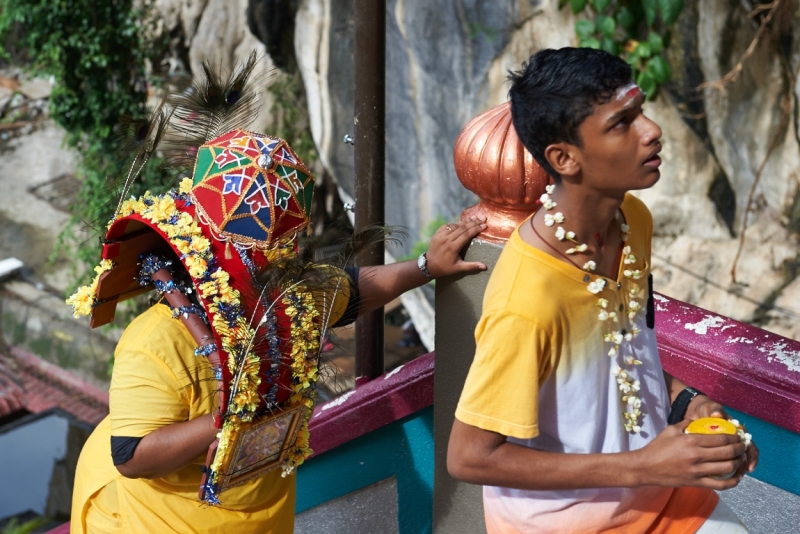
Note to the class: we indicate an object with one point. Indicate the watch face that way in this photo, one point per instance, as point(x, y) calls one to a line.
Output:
point(422, 261)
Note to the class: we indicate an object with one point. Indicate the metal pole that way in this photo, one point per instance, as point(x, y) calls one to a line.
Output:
point(370, 158)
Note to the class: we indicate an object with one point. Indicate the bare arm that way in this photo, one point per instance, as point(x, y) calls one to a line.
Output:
point(379, 285)
point(674, 386)
point(170, 448)
point(672, 459)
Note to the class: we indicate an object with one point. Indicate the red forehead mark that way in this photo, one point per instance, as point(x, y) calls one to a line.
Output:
point(633, 91)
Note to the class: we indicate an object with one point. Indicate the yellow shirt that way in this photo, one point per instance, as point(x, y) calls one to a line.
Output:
point(542, 377)
point(157, 381)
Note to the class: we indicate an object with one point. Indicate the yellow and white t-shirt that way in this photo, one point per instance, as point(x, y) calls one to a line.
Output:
point(541, 376)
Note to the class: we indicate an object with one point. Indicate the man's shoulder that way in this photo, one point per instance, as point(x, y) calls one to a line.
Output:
point(524, 282)
point(155, 331)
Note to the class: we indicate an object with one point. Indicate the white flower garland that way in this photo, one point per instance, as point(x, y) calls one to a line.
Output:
point(619, 338)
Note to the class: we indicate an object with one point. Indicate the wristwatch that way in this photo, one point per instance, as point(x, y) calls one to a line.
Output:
point(681, 404)
point(422, 263)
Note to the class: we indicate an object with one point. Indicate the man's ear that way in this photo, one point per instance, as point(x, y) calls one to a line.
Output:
point(562, 158)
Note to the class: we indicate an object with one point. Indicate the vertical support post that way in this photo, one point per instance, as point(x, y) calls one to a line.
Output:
point(370, 159)
point(459, 301)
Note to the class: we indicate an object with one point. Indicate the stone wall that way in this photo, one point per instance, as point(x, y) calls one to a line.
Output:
point(447, 61)
point(213, 31)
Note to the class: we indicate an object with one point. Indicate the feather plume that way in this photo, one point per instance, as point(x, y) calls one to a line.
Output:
point(139, 139)
point(135, 141)
point(141, 136)
point(213, 105)
point(324, 278)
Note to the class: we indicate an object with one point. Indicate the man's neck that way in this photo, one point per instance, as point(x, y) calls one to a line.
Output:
point(589, 212)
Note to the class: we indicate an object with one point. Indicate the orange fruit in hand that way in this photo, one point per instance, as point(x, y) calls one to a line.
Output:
point(711, 425)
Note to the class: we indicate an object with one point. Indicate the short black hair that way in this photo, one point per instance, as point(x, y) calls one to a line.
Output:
point(556, 90)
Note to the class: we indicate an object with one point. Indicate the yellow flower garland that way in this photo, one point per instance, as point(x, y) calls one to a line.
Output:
point(185, 234)
point(301, 309)
point(85, 298)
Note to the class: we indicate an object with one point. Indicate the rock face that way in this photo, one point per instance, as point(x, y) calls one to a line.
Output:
point(213, 31)
point(448, 61)
point(746, 130)
point(439, 58)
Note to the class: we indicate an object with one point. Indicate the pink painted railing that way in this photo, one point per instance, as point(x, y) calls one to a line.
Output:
point(739, 365)
point(381, 401)
point(736, 364)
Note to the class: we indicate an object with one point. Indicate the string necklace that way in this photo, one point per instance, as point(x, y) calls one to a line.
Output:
point(551, 246)
point(621, 327)
point(600, 240)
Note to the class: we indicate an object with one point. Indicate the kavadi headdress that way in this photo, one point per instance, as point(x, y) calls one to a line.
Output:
point(239, 213)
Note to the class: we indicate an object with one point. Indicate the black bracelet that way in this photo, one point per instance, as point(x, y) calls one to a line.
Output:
point(681, 404)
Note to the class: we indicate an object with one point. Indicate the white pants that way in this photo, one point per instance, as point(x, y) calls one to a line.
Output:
point(723, 521)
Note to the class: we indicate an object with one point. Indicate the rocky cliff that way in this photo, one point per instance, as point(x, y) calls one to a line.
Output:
point(447, 61)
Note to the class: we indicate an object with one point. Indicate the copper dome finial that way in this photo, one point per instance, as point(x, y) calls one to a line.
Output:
point(491, 161)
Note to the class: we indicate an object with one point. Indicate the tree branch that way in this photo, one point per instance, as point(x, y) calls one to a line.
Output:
point(734, 73)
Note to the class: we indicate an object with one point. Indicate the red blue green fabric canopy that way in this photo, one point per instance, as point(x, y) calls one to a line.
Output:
point(252, 189)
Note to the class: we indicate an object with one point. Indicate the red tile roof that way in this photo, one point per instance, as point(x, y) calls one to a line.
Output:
point(38, 385)
point(12, 394)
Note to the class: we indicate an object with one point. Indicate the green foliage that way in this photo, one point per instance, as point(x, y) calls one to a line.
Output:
point(14, 527)
point(636, 30)
point(95, 53)
point(91, 49)
point(425, 238)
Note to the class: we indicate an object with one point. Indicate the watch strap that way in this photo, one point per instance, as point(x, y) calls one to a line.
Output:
point(681, 404)
point(422, 263)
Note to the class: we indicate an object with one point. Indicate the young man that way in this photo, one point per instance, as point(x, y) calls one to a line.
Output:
point(563, 417)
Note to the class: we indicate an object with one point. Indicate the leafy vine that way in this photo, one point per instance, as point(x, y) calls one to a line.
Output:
point(636, 30)
point(96, 54)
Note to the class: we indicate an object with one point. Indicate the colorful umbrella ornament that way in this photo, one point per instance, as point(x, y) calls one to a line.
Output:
point(251, 189)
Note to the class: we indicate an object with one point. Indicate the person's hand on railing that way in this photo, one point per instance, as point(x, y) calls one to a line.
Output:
point(676, 459)
point(702, 406)
point(444, 252)
point(379, 285)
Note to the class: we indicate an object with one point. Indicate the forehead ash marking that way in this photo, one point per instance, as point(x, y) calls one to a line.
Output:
point(628, 91)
